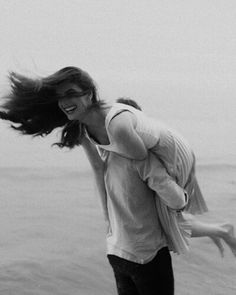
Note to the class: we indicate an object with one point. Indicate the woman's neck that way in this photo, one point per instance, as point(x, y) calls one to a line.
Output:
point(96, 118)
point(95, 123)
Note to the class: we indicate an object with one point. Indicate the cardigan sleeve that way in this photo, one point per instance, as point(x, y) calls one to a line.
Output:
point(152, 171)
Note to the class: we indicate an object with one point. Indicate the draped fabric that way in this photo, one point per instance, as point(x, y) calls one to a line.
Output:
point(175, 227)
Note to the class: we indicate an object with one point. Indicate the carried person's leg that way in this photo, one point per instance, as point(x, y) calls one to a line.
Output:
point(215, 231)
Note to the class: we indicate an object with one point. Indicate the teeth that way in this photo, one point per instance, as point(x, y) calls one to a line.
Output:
point(70, 109)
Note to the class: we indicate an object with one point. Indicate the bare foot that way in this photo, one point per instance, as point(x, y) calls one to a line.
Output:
point(229, 237)
point(219, 245)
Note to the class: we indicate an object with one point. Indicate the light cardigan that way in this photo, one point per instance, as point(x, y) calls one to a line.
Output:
point(176, 228)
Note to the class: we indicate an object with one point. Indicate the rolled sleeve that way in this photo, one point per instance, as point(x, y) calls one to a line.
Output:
point(152, 171)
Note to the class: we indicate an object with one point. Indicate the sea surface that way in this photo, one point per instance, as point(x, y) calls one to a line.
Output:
point(52, 235)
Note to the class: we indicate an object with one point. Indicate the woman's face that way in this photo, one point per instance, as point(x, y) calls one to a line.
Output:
point(73, 102)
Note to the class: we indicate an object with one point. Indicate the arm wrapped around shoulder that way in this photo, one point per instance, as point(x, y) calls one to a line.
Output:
point(155, 174)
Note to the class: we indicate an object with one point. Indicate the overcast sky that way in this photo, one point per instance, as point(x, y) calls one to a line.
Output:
point(175, 57)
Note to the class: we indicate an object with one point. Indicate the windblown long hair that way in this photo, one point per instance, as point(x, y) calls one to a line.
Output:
point(32, 105)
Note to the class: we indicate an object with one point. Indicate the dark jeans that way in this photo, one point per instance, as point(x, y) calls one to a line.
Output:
point(153, 278)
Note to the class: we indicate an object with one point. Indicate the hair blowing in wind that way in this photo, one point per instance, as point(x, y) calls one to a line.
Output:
point(32, 104)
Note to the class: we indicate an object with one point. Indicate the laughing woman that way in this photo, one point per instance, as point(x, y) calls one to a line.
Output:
point(68, 99)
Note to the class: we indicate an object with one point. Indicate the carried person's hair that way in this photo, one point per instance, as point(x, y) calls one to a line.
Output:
point(32, 104)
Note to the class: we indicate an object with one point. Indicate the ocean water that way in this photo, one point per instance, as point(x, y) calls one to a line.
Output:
point(52, 235)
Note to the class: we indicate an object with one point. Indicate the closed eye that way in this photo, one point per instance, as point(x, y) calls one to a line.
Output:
point(73, 93)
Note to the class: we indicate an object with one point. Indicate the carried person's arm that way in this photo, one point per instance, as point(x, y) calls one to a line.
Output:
point(123, 133)
point(154, 173)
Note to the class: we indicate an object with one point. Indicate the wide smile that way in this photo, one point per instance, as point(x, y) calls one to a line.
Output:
point(69, 109)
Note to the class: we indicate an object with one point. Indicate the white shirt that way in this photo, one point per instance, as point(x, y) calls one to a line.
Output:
point(136, 234)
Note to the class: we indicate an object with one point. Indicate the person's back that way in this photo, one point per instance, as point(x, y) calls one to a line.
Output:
point(170, 147)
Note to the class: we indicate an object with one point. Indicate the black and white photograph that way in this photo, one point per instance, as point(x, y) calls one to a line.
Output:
point(118, 147)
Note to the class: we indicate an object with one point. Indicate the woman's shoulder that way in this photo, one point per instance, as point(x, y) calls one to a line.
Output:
point(117, 106)
point(120, 112)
